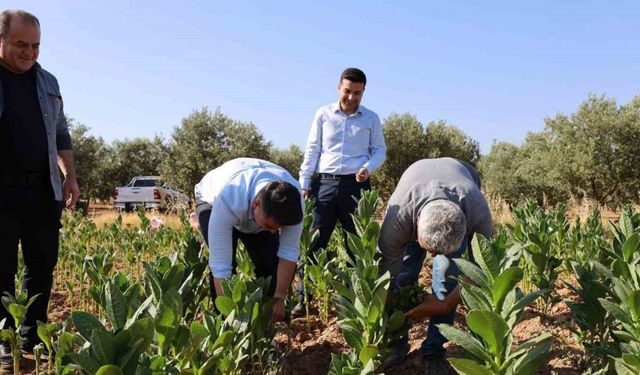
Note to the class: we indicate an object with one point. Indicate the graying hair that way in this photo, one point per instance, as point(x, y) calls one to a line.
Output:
point(7, 15)
point(442, 226)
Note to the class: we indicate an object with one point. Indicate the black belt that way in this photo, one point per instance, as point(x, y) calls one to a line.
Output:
point(337, 176)
point(21, 180)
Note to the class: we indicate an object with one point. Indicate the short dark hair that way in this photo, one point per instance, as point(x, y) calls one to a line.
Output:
point(354, 75)
point(7, 15)
point(281, 201)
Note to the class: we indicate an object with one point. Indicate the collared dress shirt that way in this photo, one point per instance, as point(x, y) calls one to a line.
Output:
point(231, 189)
point(342, 144)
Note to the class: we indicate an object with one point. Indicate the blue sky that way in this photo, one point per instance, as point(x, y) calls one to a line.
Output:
point(494, 69)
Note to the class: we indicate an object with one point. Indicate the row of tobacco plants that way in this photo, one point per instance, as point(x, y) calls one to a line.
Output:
point(139, 298)
point(519, 268)
point(139, 302)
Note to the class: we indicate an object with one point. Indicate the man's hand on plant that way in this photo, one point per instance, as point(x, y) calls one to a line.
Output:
point(278, 313)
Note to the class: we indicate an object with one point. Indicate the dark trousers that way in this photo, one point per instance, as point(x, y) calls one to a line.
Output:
point(336, 199)
point(30, 216)
point(262, 248)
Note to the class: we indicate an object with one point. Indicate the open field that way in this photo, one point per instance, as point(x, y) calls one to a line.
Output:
point(108, 253)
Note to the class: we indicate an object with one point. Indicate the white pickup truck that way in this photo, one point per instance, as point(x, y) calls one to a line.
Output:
point(150, 192)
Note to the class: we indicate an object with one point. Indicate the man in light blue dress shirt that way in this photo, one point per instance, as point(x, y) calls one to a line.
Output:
point(345, 146)
point(259, 203)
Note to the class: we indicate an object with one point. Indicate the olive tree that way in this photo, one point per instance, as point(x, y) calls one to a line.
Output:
point(203, 141)
point(408, 141)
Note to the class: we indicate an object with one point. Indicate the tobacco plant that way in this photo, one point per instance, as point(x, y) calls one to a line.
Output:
point(118, 349)
point(490, 347)
point(362, 292)
point(496, 303)
point(320, 277)
point(308, 239)
point(17, 307)
point(591, 324)
point(492, 284)
point(538, 231)
point(248, 311)
point(349, 364)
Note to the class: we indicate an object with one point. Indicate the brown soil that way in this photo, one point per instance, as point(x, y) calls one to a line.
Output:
point(309, 351)
point(307, 346)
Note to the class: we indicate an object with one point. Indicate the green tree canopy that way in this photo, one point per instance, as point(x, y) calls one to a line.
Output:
point(289, 159)
point(589, 154)
point(205, 140)
point(408, 141)
point(90, 153)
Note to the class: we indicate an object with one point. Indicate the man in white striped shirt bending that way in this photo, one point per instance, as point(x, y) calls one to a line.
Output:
point(258, 203)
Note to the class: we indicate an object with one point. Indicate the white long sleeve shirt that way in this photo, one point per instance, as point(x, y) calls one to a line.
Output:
point(342, 144)
point(231, 189)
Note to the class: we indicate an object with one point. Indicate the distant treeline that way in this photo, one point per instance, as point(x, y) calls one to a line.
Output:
point(592, 153)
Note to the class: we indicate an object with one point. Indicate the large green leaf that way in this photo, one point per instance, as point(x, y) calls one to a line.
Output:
point(469, 367)
point(225, 339)
point(483, 255)
point(620, 268)
point(17, 312)
point(632, 360)
point(169, 317)
point(615, 311)
point(151, 282)
point(491, 327)
point(475, 298)
point(472, 345)
point(173, 277)
point(630, 246)
point(115, 306)
point(355, 245)
point(343, 290)
point(46, 331)
point(624, 369)
point(142, 328)
point(102, 346)
point(88, 364)
point(625, 224)
point(225, 305)
point(525, 301)
point(85, 324)
point(503, 284)
point(129, 360)
point(351, 334)
point(634, 305)
point(239, 290)
point(363, 292)
point(473, 272)
point(535, 353)
point(395, 321)
point(109, 370)
point(368, 353)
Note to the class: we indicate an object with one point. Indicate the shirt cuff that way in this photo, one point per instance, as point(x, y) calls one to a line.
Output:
point(220, 272)
point(289, 254)
point(305, 183)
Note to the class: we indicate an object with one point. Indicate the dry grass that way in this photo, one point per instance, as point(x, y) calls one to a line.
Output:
point(103, 218)
point(500, 211)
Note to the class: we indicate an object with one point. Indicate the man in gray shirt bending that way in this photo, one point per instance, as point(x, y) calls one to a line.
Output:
point(436, 208)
